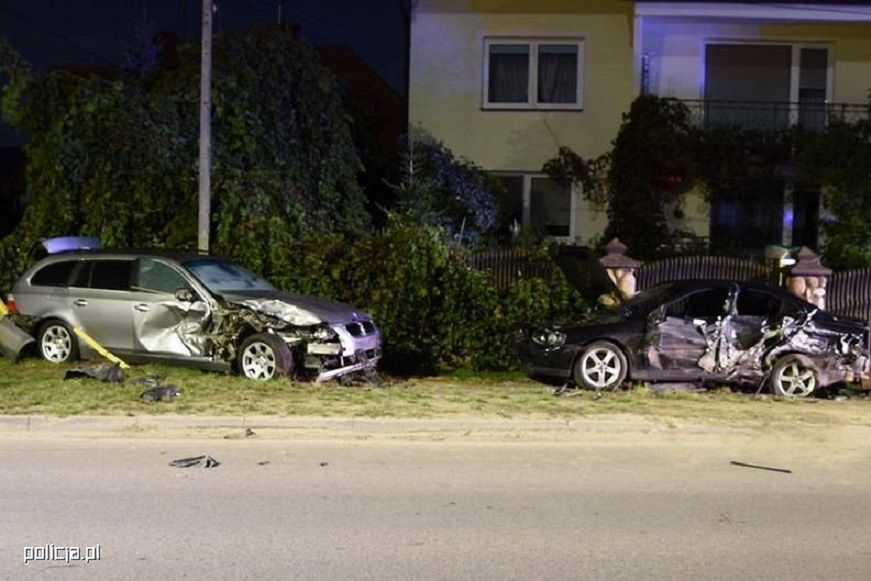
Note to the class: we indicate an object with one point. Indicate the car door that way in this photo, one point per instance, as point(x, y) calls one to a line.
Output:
point(100, 300)
point(678, 332)
point(163, 324)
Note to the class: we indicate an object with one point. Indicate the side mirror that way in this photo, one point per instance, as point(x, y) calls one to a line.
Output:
point(184, 295)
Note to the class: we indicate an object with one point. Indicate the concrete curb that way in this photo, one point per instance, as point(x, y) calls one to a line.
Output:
point(345, 425)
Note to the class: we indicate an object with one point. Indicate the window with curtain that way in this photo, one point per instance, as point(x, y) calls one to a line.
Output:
point(557, 73)
point(533, 74)
point(509, 73)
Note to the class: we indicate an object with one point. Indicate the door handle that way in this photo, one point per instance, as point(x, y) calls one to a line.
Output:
point(142, 308)
point(80, 303)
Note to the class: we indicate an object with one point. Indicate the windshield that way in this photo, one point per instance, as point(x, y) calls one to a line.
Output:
point(221, 276)
point(642, 303)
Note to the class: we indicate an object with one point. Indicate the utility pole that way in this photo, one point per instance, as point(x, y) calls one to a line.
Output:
point(205, 201)
point(280, 5)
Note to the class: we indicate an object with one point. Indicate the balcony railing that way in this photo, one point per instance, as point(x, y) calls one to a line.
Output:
point(769, 115)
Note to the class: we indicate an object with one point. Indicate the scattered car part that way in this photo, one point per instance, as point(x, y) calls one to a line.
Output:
point(102, 371)
point(160, 393)
point(758, 467)
point(195, 461)
point(12, 339)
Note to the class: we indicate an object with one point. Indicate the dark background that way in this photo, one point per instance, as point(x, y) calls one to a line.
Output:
point(51, 33)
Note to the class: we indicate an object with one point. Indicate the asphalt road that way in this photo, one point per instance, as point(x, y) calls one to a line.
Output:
point(384, 509)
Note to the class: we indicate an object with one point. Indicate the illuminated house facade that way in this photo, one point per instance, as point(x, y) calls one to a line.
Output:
point(505, 83)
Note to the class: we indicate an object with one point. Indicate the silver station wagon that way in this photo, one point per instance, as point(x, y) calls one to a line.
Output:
point(188, 309)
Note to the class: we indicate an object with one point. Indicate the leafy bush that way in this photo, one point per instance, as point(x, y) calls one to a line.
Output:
point(117, 158)
point(432, 308)
point(442, 190)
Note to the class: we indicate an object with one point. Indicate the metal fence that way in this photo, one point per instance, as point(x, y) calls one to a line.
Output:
point(848, 292)
point(507, 265)
point(773, 115)
point(705, 267)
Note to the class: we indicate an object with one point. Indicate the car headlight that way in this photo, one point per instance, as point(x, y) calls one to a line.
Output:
point(323, 333)
point(549, 338)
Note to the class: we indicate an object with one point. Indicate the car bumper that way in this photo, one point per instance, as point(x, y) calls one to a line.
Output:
point(540, 361)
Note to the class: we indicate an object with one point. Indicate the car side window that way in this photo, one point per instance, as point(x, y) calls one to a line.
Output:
point(703, 304)
point(56, 274)
point(111, 274)
point(159, 277)
point(82, 277)
point(753, 303)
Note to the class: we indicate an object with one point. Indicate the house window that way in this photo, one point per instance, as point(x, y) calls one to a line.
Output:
point(539, 202)
point(533, 74)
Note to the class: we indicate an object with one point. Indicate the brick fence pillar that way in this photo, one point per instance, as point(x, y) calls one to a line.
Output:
point(808, 279)
point(620, 268)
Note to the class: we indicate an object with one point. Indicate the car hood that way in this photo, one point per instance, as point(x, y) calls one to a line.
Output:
point(296, 309)
point(595, 318)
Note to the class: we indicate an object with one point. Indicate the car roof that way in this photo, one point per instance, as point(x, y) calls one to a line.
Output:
point(168, 254)
point(688, 285)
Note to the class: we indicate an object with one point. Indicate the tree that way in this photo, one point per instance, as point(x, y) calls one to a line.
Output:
point(441, 190)
point(839, 160)
point(656, 142)
point(117, 158)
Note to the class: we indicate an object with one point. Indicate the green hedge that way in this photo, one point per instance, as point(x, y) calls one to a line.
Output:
point(432, 308)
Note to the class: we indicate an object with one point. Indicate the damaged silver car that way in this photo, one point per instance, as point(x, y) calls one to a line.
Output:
point(691, 331)
point(188, 309)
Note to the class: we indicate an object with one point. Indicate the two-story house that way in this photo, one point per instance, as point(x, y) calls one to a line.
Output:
point(505, 83)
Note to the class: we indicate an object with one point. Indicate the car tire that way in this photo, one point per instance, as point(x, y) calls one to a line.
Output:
point(792, 377)
point(601, 365)
point(56, 342)
point(264, 356)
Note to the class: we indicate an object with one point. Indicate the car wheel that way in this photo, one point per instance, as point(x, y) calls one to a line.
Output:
point(792, 377)
point(264, 356)
point(602, 365)
point(56, 342)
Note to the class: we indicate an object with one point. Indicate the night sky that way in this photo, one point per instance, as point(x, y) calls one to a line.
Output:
point(86, 32)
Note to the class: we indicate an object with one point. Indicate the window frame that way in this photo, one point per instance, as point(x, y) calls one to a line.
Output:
point(134, 286)
point(534, 43)
point(527, 203)
point(73, 266)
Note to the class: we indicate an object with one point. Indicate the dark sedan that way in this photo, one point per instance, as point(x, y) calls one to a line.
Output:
point(719, 331)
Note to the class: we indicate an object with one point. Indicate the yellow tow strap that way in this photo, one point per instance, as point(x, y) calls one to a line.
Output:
point(99, 348)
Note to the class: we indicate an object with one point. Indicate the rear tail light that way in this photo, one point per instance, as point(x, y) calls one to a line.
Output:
point(11, 307)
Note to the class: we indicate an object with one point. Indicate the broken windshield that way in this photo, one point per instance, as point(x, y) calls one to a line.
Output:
point(220, 276)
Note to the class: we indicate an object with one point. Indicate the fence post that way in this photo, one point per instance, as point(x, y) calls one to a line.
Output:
point(620, 268)
point(807, 279)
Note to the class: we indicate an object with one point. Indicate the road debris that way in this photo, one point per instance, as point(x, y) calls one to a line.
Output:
point(165, 393)
point(102, 371)
point(758, 467)
point(195, 462)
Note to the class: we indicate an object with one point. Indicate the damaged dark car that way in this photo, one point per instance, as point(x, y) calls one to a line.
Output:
point(188, 309)
point(716, 331)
